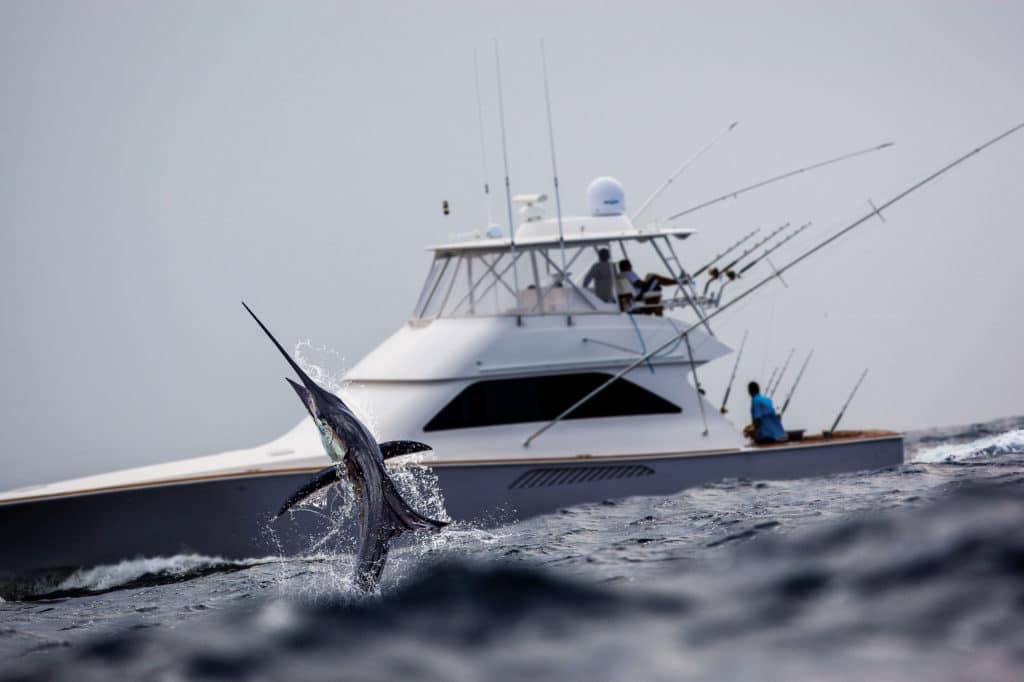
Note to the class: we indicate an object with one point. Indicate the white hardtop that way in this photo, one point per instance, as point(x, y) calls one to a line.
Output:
point(576, 231)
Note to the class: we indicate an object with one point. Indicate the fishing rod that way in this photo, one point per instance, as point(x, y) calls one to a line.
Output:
point(686, 164)
point(725, 253)
point(732, 276)
point(771, 250)
point(778, 380)
point(846, 404)
point(771, 378)
point(715, 273)
point(876, 211)
point(728, 389)
point(777, 178)
point(796, 383)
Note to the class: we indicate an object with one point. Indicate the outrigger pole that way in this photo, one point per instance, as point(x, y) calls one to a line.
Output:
point(732, 377)
point(876, 211)
point(508, 189)
point(799, 375)
point(847, 403)
point(777, 178)
point(554, 171)
point(724, 253)
point(686, 164)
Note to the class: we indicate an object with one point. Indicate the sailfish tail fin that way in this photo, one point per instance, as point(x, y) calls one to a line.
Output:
point(402, 516)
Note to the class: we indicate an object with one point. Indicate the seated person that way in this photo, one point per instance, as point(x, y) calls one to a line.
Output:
point(647, 289)
point(602, 274)
point(766, 426)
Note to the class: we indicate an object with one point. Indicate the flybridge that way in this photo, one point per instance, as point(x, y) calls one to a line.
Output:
point(536, 272)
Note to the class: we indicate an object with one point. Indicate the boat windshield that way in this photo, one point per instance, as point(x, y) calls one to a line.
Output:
point(490, 283)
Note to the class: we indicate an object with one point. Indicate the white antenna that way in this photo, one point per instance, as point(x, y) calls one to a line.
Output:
point(483, 146)
point(686, 164)
point(554, 171)
point(508, 186)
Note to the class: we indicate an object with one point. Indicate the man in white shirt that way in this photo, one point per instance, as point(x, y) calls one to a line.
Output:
point(602, 274)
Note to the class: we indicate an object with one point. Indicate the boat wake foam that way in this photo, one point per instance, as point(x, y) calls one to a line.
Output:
point(126, 574)
point(1007, 443)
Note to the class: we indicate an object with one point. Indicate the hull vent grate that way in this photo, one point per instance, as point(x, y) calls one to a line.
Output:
point(548, 476)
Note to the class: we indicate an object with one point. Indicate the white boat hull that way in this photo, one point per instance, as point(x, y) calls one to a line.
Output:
point(230, 516)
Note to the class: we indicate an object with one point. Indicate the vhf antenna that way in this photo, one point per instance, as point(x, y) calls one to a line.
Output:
point(679, 171)
point(832, 431)
point(483, 145)
point(799, 376)
point(508, 188)
point(728, 389)
point(777, 178)
point(554, 172)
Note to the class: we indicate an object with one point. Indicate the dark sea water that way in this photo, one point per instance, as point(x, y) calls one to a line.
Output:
point(913, 573)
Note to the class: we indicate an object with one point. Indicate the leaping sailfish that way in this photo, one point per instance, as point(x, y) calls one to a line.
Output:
point(383, 513)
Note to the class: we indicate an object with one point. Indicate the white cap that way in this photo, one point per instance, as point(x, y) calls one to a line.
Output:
point(605, 196)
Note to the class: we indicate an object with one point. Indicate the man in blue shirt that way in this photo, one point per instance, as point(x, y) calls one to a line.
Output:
point(766, 423)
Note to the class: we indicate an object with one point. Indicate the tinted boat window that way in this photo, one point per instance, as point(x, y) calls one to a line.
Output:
point(534, 399)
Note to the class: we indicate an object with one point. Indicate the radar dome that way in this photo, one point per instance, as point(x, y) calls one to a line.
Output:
point(605, 196)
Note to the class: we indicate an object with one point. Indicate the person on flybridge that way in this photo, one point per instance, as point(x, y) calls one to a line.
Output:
point(646, 289)
point(602, 274)
point(765, 425)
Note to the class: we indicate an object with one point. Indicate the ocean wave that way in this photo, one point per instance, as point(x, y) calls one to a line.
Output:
point(1006, 443)
point(920, 592)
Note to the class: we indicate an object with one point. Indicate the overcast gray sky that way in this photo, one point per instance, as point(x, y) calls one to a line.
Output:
point(160, 161)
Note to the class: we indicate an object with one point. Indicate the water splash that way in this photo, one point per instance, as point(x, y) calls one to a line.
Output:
point(316, 361)
point(418, 484)
point(1011, 442)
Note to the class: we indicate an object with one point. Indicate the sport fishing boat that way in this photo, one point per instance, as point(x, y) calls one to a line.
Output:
point(534, 391)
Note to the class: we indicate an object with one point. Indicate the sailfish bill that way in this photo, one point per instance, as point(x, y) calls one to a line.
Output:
point(383, 512)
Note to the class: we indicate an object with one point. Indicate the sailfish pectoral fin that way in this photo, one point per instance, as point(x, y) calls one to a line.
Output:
point(397, 448)
point(323, 479)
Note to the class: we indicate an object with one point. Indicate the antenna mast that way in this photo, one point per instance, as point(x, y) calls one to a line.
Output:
point(508, 187)
point(554, 172)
